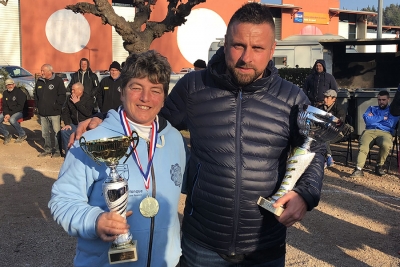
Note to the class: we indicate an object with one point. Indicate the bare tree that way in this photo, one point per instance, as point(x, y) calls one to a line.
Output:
point(4, 2)
point(136, 37)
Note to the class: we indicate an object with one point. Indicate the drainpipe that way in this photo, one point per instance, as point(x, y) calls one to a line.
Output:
point(379, 28)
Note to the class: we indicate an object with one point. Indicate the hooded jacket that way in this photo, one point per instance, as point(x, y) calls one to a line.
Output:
point(77, 199)
point(13, 101)
point(316, 84)
point(50, 96)
point(89, 80)
point(240, 139)
point(74, 113)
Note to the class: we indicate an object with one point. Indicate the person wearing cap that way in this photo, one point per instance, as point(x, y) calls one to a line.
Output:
point(380, 127)
point(13, 105)
point(50, 95)
point(336, 110)
point(109, 93)
point(318, 82)
point(199, 64)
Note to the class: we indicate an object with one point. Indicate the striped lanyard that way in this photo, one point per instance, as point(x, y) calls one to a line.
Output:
point(152, 147)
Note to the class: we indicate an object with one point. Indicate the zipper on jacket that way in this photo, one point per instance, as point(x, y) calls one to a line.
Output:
point(232, 250)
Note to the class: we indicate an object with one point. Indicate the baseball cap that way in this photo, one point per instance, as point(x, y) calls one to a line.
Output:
point(9, 81)
point(331, 93)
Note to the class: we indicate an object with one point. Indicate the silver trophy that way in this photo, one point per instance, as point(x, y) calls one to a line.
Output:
point(115, 188)
point(315, 125)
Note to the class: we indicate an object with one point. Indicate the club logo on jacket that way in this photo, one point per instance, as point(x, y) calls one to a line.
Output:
point(51, 86)
point(176, 174)
point(119, 89)
point(14, 98)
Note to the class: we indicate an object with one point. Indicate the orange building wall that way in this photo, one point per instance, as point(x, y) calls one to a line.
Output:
point(321, 6)
point(167, 44)
point(36, 50)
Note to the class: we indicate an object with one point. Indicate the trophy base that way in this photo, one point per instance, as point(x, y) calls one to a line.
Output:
point(125, 254)
point(267, 204)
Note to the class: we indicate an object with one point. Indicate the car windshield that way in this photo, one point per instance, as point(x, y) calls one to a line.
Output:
point(16, 72)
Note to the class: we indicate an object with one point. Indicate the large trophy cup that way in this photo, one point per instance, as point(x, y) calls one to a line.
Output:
point(115, 187)
point(314, 124)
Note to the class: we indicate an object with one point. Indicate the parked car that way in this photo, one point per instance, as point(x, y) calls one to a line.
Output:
point(66, 76)
point(101, 74)
point(22, 78)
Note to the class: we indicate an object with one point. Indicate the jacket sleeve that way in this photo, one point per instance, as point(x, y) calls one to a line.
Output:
point(69, 202)
point(21, 99)
point(99, 96)
point(333, 85)
point(175, 107)
point(65, 115)
point(309, 185)
point(61, 94)
point(371, 119)
point(395, 105)
point(85, 106)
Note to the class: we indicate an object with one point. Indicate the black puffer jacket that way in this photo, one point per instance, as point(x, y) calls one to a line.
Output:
point(316, 84)
point(240, 139)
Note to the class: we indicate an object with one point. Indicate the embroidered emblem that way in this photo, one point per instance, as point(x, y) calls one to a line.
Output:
point(119, 89)
point(176, 174)
point(51, 86)
point(14, 98)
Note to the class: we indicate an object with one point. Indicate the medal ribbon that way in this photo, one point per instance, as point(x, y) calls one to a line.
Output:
point(152, 148)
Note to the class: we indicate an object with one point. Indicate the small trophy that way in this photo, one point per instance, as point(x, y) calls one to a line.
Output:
point(314, 124)
point(115, 188)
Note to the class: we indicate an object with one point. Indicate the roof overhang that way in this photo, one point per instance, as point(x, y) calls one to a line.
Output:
point(284, 6)
point(343, 42)
point(337, 11)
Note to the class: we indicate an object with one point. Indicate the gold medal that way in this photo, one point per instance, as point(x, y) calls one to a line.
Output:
point(149, 207)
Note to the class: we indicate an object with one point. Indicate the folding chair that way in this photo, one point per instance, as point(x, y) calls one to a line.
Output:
point(348, 139)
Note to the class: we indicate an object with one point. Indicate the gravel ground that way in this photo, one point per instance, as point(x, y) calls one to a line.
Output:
point(356, 223)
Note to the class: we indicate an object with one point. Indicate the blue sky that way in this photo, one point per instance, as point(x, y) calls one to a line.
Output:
point(350, 4)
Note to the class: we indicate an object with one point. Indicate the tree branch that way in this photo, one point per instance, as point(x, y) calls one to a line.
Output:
point(4, 2)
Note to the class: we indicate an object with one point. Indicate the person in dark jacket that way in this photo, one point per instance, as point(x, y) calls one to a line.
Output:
point(77, 108)
point(109, 96)
point(318, 82)
point(330, 105)
point(86, 77)
point(50, 94)
point(13, 105)
point(242, 119)
point(395, 105)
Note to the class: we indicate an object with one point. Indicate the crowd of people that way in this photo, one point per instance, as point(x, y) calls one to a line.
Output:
point(242, 119)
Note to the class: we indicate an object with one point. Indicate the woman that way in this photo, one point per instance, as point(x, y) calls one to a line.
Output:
point(77, 202)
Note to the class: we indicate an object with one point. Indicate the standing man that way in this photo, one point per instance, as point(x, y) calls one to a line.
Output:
point(318, 82)
point(77, 108)
point(242, 118)
point(50, 97)
point(379, 130)
point(109, 96)
point(13, 105)
point(86, 77)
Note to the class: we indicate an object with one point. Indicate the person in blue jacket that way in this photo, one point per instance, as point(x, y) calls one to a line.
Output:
point(379, 130)
point(77, 202)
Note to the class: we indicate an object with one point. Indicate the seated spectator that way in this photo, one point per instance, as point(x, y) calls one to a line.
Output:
point(13, 105)
point(336, 110)
point(77, 108)
point(109, 93)
point(199, 64)
point(380, 126)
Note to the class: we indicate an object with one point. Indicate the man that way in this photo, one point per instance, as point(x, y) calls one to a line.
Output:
point(13, 105)
point(332, 107)
point(110, 89)
point(77, 108)
point(380, 126)
point(318, 82)
point(50, 96)
point(242, 119)
point(199, 64)
point(86, 77)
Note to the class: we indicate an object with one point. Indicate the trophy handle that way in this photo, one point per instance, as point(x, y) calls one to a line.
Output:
point(132, 139)
point(82, 144)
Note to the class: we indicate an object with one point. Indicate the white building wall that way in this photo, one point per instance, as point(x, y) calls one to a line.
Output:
point(118, 51)
point(343, 29)
point(10, 44)
point(385, 48)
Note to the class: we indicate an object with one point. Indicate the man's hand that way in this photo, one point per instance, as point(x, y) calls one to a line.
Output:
point(295, 208)
point(7, 118)
point(111, 224)
point(75, 98)
point(66, 127)
point(83, 126)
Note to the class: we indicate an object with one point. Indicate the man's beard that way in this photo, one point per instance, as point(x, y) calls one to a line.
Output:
point(243, 79)
point(383, 106)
